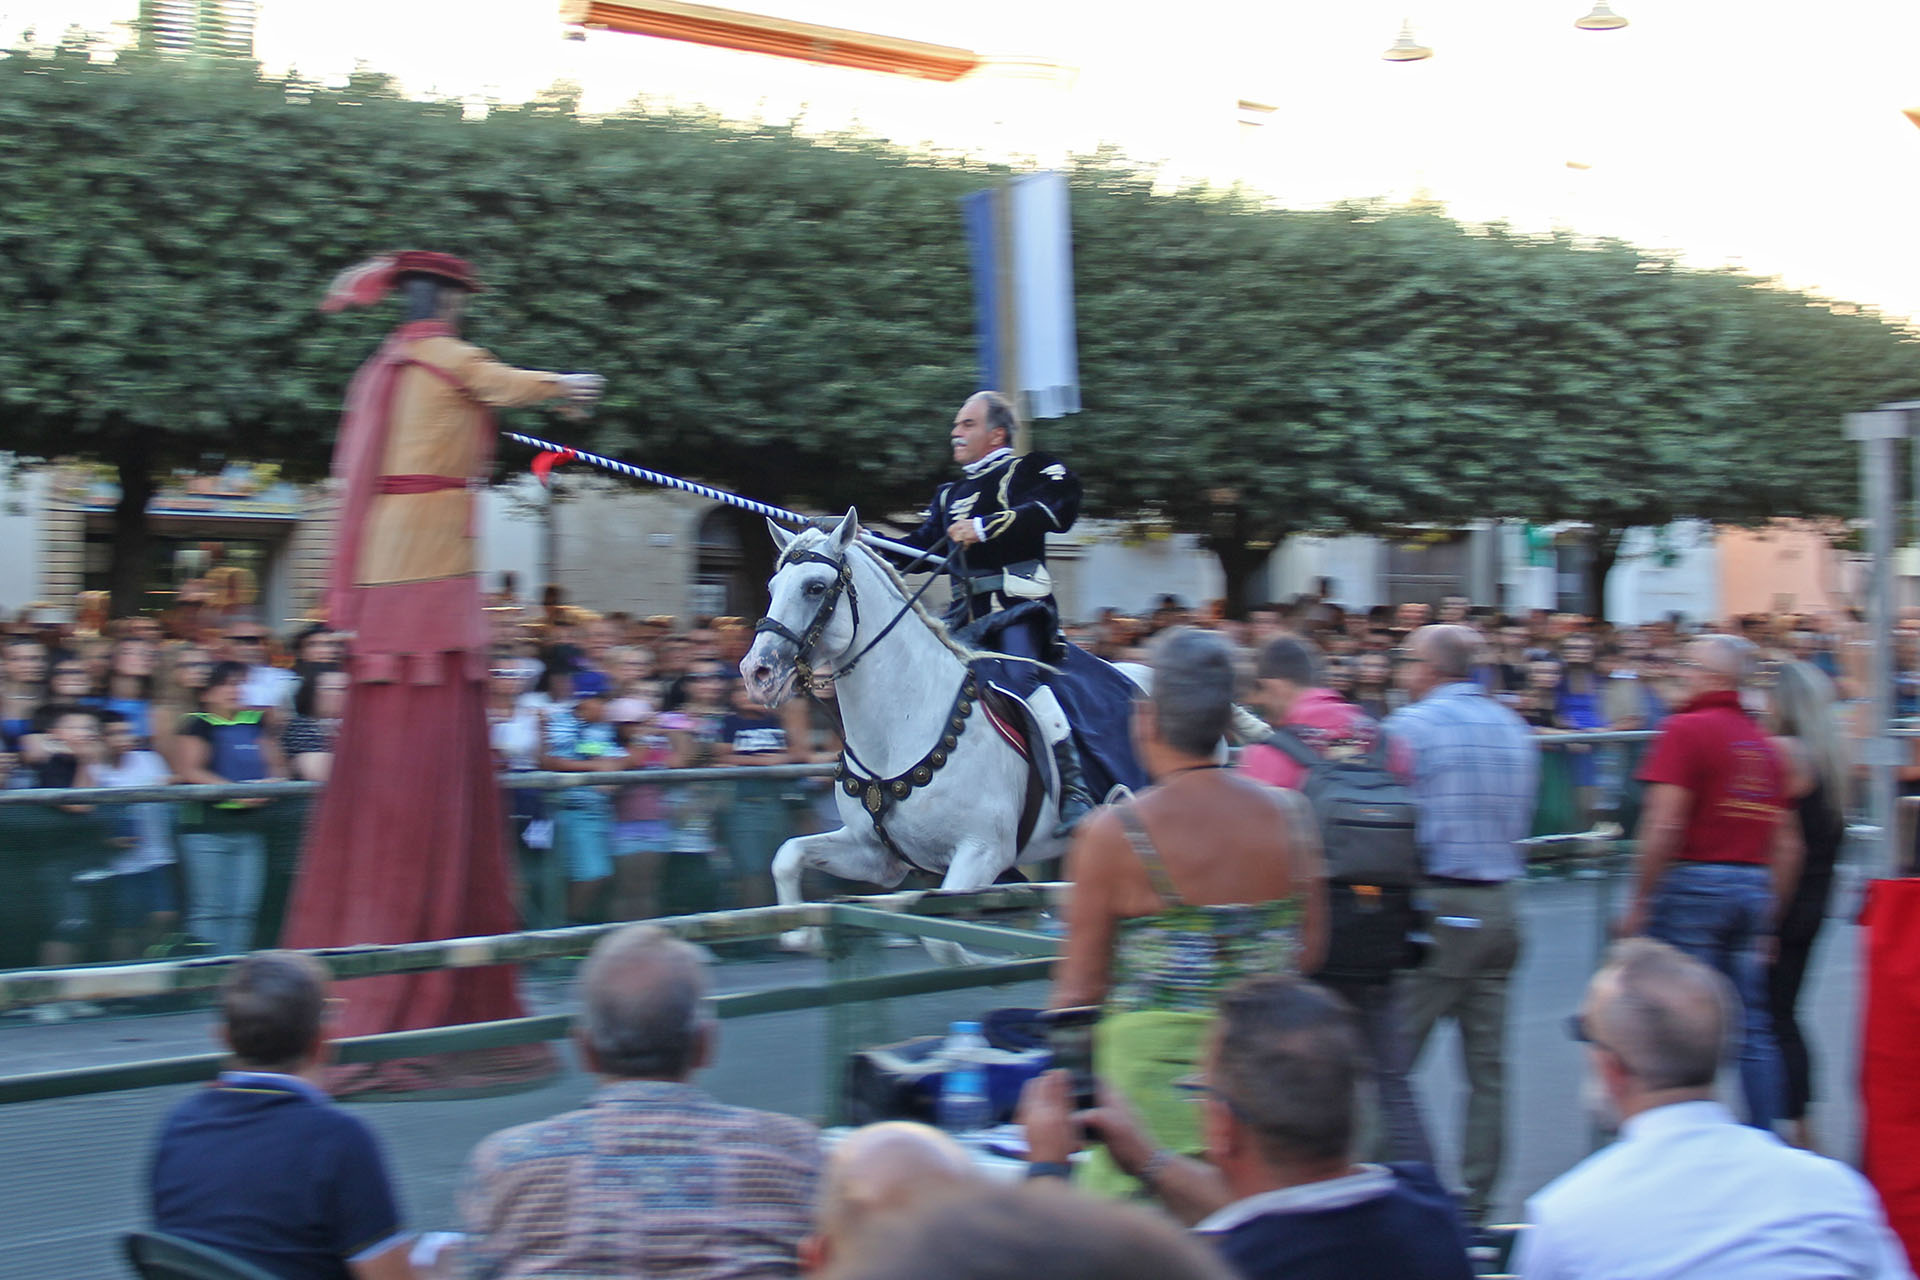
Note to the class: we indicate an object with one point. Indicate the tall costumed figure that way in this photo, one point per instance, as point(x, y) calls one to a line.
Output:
point(408, 843)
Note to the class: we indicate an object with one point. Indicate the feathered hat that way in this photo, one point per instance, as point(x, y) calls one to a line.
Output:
point(366, 283)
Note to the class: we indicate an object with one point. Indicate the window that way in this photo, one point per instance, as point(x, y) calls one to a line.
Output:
point(206, 28)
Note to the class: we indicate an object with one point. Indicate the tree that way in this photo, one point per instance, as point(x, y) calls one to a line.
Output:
point(772, 313)
point(791, 317)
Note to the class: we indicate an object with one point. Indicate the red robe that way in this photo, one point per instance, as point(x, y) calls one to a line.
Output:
point(1890, 1055)
point(409, 840)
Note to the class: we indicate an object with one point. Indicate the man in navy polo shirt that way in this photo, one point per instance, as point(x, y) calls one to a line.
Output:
point(262, 1165)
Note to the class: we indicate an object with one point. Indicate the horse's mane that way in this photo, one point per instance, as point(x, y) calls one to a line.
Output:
point(812, 540)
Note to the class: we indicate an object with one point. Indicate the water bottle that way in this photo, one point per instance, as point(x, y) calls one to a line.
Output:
point(964, 1107)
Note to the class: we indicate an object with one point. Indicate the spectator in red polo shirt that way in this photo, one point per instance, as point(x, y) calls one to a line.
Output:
point(1719, 853)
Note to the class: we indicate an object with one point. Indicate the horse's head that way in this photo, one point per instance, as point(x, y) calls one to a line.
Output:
point(812, 614)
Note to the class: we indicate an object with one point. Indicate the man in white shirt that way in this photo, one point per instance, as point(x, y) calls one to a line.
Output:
point(145, 905)
point(267, 686)
point(1687, 1190)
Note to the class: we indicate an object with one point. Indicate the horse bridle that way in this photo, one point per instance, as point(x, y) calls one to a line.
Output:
point(804, 644)
point(842, 583)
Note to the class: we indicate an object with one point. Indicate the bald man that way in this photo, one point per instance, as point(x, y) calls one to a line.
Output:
point(1719, 847)
point(1475, 767)
point(876, 1172)
point(1686, 1191)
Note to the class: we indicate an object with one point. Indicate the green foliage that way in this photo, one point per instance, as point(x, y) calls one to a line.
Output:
point(792, 317)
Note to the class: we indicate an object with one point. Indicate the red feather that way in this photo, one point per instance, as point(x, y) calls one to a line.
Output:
point(544, 463)
point(360, 285)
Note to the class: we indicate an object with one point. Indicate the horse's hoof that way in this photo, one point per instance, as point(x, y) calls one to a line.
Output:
point(807, 940)
point(951, 954)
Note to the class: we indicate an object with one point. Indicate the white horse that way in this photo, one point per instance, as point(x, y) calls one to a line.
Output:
point(926, 781)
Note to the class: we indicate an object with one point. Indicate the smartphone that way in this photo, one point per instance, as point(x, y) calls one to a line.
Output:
point(1070, 1037)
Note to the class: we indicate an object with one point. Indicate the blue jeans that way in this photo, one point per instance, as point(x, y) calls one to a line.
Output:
point(226, 874)
point(1717, 913)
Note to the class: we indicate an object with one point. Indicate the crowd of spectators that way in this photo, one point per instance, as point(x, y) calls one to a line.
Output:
point(208, 693)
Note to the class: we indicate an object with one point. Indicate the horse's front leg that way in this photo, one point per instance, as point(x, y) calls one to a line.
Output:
point(839, 853)
point(976, 864)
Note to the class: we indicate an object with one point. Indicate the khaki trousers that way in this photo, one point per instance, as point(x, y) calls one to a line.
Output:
point(1476, 943)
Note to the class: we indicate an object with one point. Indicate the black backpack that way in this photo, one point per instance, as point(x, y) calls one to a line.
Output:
point(1372, 857)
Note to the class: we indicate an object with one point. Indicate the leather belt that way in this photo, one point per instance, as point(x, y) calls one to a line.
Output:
point(420, 484)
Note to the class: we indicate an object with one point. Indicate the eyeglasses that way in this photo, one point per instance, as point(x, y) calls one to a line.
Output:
point(1577, 1028)
point(247, 639)
point(1196, 1089)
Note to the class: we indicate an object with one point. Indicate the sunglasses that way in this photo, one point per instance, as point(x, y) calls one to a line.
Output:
point(247, 639)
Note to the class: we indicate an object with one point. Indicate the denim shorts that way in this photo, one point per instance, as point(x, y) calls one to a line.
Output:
point(642, 835)
point(584, 838)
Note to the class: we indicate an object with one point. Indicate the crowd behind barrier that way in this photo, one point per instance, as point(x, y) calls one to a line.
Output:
point(204, 693)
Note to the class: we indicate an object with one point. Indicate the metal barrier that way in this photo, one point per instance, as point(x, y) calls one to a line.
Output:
point(286, 789)
point(59, 889)
point(1594, 850)
point(845, 929)
point(56, 885)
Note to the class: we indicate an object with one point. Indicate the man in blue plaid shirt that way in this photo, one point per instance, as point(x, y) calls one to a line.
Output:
point(1475, 768)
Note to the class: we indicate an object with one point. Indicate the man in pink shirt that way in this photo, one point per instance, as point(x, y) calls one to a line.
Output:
point(1289, 693)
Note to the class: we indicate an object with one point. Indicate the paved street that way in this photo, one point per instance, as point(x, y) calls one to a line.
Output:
point(73, 1169)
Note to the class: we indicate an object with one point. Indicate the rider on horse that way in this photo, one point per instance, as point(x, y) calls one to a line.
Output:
point(997, 517)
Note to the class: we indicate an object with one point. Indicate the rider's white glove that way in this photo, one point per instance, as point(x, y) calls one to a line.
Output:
point(1247, 727)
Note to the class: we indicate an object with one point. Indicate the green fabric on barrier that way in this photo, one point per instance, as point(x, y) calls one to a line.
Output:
point(284, 824)
point(1557, 811)
point(32, 839)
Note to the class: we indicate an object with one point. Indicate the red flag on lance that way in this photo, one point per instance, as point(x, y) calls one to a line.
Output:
point(545, 462)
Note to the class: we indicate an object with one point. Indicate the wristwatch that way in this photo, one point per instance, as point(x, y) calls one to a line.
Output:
point(1155, 1166)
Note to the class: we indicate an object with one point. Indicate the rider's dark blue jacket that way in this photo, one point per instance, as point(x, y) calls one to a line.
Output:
point(1018, 502)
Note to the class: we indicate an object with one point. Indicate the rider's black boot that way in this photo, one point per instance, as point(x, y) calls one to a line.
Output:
point(1075, 801)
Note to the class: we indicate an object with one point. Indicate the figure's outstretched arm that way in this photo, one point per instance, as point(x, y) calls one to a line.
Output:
point(504, 387)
